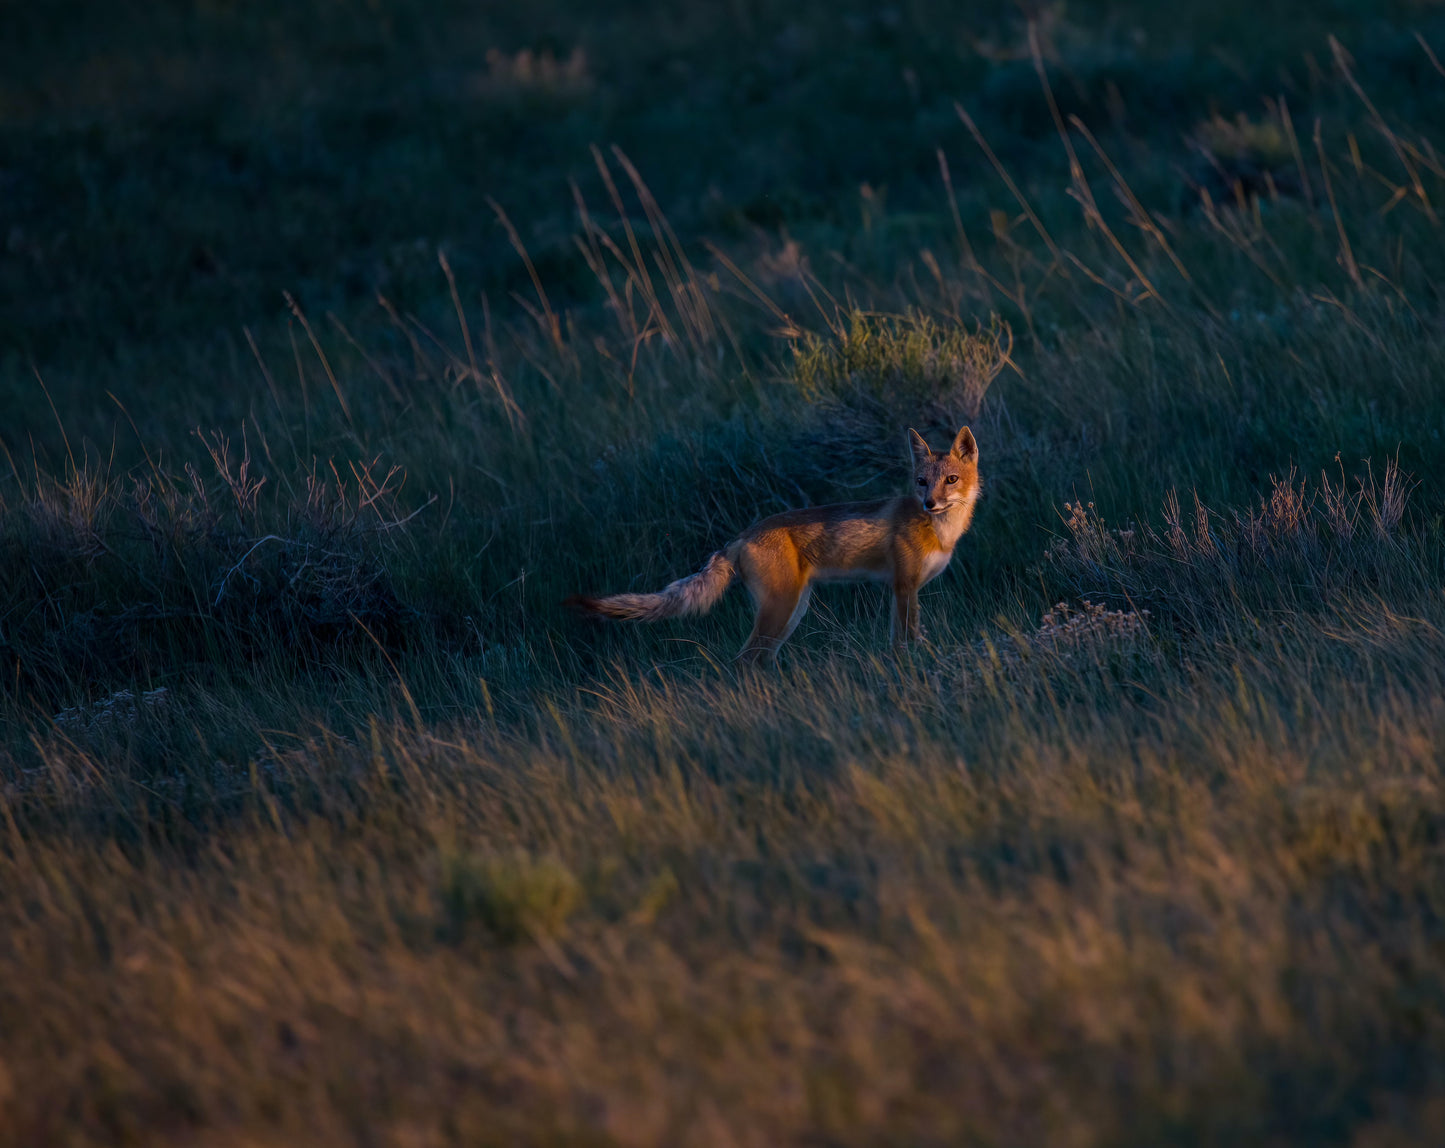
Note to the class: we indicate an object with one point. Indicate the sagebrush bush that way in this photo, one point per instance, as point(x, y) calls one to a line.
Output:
point(904, 361)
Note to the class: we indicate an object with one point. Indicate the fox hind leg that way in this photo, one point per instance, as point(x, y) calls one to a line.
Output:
point(780, 609)
point(798, 611)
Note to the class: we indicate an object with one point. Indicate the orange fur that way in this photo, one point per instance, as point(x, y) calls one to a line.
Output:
point(905, 542)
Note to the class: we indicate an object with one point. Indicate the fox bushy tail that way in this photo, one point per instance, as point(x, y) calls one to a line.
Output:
point(696, 594)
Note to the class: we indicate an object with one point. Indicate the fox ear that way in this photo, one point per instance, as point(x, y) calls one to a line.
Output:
point(918, 447)
point(964, 446)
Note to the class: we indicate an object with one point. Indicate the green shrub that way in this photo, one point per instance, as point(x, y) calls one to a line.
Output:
point(514, 896)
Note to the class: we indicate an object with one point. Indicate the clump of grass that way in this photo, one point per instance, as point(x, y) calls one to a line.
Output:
point(121, 710)
point(1073, 633)
point(529, 72)
point(514, 896)
point(1298, 544)
point(1245, 139)
point(1245, 158)
point(907, 361)
point(179, 563)
point(1081, 645)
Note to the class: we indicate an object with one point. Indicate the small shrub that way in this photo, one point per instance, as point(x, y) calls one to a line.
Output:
point(534, 73)
point(119, 711)
point(1068, 639)
point(904, 360)
point(515, 897)
point(1243, 158)
point(1262, 142)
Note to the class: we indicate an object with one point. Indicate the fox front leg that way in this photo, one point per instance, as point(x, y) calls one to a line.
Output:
point(906, 623)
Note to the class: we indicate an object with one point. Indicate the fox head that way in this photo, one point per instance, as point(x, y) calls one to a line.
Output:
point(945, 481)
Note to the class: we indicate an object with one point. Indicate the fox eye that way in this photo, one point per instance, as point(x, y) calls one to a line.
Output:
point(923, 482)
point(952, 478)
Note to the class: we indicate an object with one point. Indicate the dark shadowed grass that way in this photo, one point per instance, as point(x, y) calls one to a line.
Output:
point(322, 822)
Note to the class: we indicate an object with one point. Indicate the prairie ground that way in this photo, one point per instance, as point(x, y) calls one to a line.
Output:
point(341, 340)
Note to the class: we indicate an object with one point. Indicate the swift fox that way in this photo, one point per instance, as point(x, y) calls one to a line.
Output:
point(904, 542)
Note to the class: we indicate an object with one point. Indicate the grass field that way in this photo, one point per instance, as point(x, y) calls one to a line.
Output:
point(340, 340)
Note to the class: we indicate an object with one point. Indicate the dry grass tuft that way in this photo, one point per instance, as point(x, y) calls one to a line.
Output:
point(515, 897)
point(911, 359)
point(526, 72)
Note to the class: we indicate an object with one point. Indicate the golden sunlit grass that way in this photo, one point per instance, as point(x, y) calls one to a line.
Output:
point(1062, 904)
